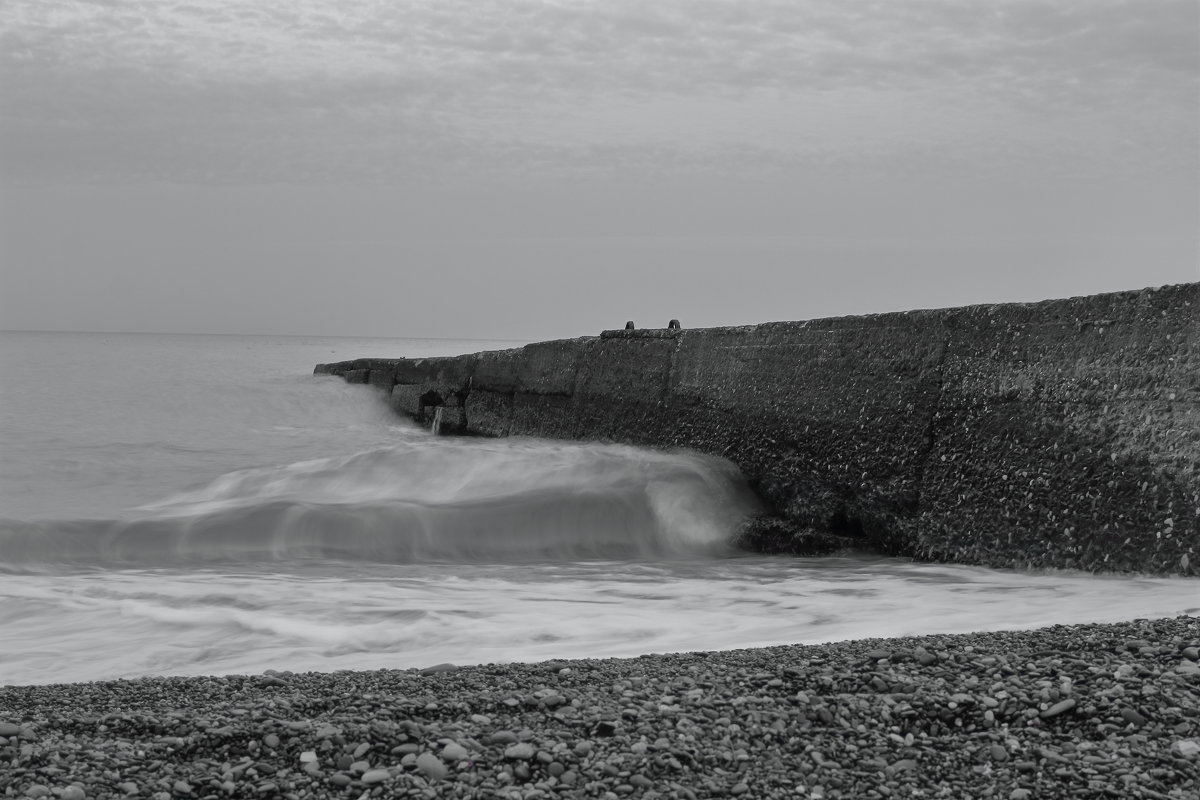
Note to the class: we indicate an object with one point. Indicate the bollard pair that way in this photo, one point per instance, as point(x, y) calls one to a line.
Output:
point(672, 325)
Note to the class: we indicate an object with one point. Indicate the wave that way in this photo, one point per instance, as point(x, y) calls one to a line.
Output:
point(424, 500)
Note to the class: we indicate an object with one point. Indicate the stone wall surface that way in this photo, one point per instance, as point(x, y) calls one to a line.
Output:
point(1064, 433)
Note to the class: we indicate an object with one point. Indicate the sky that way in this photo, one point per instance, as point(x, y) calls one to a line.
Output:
point(536, 170)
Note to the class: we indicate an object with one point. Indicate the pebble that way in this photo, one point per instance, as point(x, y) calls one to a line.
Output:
point(9, 729)
point(374, 776)
point(438, 669)
point(604, 729)
point(455, 752)
point(1188, 748)
point(994, 715)
point(1133, 717)
point(72, 792)
point(431, 766)
point(1058, 708)
point(520, 750)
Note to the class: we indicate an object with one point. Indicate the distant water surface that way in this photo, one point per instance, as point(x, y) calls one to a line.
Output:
point(204, 505)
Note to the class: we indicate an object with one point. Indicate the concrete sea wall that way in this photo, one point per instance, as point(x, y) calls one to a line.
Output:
point(1064, 433)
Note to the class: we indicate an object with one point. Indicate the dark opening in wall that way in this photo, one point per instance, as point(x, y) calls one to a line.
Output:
point(430, 399)
point(842, 524)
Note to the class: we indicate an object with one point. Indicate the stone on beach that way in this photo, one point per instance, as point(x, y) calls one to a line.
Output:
point(521, 750)
point(1133, 717)
point(795, 721)
point(1188, 748)
point(453, 751)
point(431, 766)
point(1058, 708)
point(374, 776)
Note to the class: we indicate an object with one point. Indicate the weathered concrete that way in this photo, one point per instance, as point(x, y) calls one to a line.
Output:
point(1064, 433)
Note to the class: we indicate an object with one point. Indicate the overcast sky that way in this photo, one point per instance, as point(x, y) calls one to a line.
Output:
point(466, 168)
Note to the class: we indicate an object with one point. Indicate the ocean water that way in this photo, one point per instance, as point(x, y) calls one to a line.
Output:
point(185, 505)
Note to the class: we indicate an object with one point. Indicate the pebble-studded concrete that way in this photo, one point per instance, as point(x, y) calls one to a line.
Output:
point(1085, 711)
point(1059, 434)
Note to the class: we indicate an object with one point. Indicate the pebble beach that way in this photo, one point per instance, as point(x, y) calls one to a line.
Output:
point(1068, 711)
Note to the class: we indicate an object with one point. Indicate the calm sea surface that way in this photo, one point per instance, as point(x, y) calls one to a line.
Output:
point(191, 505)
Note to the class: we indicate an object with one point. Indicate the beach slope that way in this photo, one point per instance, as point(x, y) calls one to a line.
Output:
point(1068, 711)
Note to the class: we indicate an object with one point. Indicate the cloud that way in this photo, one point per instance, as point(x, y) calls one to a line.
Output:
point(321, 90)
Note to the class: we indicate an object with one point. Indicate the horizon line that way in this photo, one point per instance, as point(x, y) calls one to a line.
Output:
point(282, 335)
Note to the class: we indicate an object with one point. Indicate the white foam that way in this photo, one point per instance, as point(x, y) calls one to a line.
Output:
point(124, 623)
point(417, 501)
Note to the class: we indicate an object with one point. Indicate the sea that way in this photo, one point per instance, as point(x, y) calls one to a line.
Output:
point(205, 505)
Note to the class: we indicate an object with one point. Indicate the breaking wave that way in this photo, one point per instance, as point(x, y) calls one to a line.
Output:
point(423, 500)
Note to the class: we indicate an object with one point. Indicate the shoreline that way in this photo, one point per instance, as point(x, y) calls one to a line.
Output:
point(1089, 710)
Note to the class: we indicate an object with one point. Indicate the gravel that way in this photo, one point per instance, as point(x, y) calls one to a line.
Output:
point(1070, 711)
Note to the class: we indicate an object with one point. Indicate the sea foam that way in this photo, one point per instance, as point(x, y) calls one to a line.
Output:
point(420, 500)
